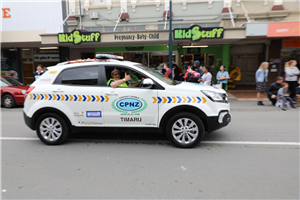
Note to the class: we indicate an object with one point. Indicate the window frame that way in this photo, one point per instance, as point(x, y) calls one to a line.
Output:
point(157, 85)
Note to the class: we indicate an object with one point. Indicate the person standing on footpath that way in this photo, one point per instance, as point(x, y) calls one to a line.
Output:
point(291, 76)
point(273, 89)
point(177, 73)
point(39, 72)
point(261, 77)
point(222, 76)
point(207, 77)
point(168, 71)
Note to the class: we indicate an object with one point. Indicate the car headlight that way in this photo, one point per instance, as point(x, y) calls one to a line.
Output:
point(23, 91)
point(215, 96)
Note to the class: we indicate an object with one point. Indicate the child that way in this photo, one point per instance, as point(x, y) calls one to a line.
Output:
point(298, 94)
point(283, 94)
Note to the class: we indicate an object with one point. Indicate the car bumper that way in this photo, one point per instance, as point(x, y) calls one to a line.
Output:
point(222, 120)
point(28, 121)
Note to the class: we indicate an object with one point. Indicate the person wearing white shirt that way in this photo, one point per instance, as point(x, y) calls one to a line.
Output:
point(207, 77)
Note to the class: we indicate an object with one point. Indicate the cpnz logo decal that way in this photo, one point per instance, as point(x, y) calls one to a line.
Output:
point(129, 104)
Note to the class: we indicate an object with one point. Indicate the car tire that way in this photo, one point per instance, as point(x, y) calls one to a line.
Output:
point(8, 101)
point(185, 130)
point(52, 129)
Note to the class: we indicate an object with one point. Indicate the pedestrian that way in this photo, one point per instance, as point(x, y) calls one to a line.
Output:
point(192, 77)
point(177, 72)
point(196, 67)
point(273, 89)
point(39, 72)
point(291, 76)
point(284, 96)
point(222, 76)
point(168, 72)
point(207, 77)
point(298, 94)
point(261, 77)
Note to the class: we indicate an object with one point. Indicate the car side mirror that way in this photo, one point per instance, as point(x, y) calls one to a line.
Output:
point(148, 83)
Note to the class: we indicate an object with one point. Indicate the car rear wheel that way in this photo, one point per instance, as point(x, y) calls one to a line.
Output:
point(8, 101)
point(52, 129)
point(185, 130)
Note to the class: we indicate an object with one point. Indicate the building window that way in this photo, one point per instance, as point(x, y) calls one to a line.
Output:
point(161, 27)
point(93, 29)
point(133, 28)
point(119, 28)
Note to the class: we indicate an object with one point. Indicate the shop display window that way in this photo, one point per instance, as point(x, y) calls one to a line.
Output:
point(9, 63)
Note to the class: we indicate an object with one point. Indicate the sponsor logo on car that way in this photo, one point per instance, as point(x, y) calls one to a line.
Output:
point(129, 104)
point(93, 114)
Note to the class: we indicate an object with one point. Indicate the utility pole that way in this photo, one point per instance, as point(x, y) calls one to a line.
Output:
point(170, 39)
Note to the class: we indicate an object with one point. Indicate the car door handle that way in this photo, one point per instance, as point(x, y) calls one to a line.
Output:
point(57, 90)
point(111, 93)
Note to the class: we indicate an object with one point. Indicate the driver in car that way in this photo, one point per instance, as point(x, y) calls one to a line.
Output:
point(115, 81)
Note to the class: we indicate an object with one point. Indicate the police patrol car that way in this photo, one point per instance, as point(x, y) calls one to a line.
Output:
point(74, 96)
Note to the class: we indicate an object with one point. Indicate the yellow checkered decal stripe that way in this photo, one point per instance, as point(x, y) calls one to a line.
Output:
point(178, 99)
point(69, 97)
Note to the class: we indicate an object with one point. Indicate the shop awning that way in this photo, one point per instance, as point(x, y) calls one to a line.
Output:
point(284, 29)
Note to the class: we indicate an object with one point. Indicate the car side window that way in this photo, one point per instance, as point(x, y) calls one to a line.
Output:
point(135, 76)
point(80, 76)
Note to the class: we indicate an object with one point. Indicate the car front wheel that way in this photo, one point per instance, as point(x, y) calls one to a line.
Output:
point(8, 101)
point(185, 130)
point(52, 129)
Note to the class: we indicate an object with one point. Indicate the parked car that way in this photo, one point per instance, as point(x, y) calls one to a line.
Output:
point(75, 96)
point(12, 92)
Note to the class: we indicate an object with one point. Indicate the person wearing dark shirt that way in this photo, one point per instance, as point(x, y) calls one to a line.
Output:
point(39, 72)
point(273, 89)
point(177, 73)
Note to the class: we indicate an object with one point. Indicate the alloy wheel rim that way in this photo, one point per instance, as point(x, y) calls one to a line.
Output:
point(7, 101)
point(185, 131)
point(50, 129)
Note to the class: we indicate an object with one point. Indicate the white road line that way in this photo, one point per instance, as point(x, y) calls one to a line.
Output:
point(17, 138)
point(203, 142)
point(251, 143)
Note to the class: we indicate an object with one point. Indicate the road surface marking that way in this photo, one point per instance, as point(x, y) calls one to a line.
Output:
point(203, 142)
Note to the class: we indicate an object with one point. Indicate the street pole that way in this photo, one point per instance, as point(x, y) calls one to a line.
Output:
point(170, 39)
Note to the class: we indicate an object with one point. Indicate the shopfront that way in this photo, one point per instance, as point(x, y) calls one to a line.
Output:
point(286, 39)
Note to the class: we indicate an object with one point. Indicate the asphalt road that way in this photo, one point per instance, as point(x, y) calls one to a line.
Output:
point(255, 157)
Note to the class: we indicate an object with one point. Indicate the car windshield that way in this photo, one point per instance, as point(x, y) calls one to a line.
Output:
point(157, 74)
point(8, 81)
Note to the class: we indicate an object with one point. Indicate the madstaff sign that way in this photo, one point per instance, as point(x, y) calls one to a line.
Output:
point(77, 37)
point(196, 33)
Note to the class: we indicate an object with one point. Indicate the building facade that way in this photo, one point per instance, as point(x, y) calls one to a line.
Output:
point(138, 30)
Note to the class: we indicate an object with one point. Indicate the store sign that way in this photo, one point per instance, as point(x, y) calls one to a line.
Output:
point(46, 51)
point(193, 50)
point(284, 29)
point(77, 37)
point(291, 43)
point(6, 13)
point(134, 37)
point(196, 33)
point(46, 58)
point(134, 48)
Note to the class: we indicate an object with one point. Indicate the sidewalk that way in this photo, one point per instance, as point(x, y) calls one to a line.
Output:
point(245, 93)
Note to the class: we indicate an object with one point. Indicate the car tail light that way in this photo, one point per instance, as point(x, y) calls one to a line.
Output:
point(28, 91)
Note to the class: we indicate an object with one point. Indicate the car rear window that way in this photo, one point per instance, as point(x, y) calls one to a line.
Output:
point(7, 81)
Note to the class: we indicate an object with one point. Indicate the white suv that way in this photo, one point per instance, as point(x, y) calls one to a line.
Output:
point(74, 97)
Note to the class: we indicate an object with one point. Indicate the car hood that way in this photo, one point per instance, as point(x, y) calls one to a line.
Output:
point(198, 86)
